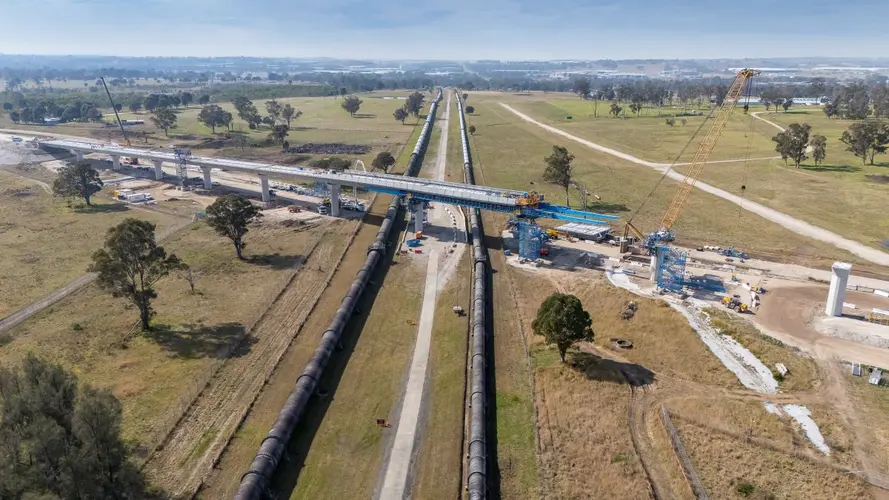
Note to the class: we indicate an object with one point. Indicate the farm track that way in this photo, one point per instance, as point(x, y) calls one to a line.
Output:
point(195, 445)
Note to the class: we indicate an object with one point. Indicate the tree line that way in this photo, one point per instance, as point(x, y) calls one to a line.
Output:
point(863, 139)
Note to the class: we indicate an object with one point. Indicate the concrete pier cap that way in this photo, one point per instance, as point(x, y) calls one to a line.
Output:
point(837, 291)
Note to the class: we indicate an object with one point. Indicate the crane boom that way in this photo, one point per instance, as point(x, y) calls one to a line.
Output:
point(720, 120)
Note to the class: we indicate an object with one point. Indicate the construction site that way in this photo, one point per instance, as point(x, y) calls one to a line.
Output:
point(382, 345)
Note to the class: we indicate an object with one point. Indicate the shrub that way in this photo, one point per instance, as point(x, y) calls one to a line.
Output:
point(745, 488)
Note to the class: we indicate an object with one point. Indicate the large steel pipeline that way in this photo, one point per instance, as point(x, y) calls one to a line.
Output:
point(476, 481)
point(257, 478)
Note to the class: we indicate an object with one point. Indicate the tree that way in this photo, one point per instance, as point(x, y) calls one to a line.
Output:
point(135, 106)
point(558, 169)
point(151, 102)
point(93, 114)
point(274, 109)
point(472, 130)
point(27, 115)
point(401, 115)
point(204, 99)
point(414, 103)
point(792, 143)
point(212, 116)
point(383, 161)
point(582, 86)
point(77, 181)
point(670, 121)
point(289, 113)
point(164, 119)
point(229, 216)
point(186, 98)
point(239, 140)
point(853, 101)
point(246, 109)
point(465, 96)
point(767, 103)
point(787, 104)
point(131, 264)
point(615, 109)
point(866, 140)
point(278, 133)
point(61, 439)
point(351, 104)
point(636, 107)
point(15, 117)
point(226, 120)
point(343, 91)
point(118, 107)
point(470, 109)
point(562, 321)
point(819, 148)
point(189, 275)
point(830, 109)
point(8, 106)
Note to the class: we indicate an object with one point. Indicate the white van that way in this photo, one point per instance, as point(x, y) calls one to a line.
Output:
point(322, 209)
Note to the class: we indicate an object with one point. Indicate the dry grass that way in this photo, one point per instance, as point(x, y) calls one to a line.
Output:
point(585, 448)
point(803, 370)
point(45, 244)
point(871, 405)
point(342, 457)
point(440, 458)
point(725, 463)
point(157, 374)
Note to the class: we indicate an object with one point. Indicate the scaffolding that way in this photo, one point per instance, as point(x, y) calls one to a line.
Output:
point(671, 268)
point(530, 237)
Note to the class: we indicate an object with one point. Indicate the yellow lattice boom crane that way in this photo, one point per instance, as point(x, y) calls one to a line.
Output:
point(720, 119)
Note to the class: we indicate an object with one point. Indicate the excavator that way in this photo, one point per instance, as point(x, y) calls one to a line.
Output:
point(741, 86)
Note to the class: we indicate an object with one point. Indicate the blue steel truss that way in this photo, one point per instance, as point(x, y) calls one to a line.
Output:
point(530, 238)
point(671, 268)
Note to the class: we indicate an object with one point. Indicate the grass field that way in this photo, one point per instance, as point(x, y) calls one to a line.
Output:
point(826, 195)
point(872, 405)
point(732, 468)
point(647, 135)
point(323, 121)
point(46, 244)
point(156, 374)
point(511, 152)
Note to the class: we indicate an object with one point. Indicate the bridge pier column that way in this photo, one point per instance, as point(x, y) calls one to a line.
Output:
point(208, 182)
point(335, 200)
point(158, 169)
point(115, 162)
point(264, 188)
point(418, 208)
point(78, 155)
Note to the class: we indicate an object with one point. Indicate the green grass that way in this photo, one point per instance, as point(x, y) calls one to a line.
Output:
point(45, 244)
point(511, 153)
point(647, 135)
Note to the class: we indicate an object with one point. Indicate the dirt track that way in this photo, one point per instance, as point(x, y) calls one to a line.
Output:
point(195, 445)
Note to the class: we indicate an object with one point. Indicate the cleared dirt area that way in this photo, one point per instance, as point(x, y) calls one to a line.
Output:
point(193, 447)
point(46, 244)
point(157, 375)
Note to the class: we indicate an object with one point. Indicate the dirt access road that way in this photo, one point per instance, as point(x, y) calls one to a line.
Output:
point(786, 221)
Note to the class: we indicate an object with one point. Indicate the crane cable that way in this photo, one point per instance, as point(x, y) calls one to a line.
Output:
point(750, 135)
point(673, 164)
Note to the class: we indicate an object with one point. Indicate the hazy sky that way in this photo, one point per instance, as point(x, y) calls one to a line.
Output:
point(423, 29)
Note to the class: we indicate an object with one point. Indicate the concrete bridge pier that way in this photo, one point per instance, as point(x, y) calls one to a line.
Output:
point(335, 200)
point(264, 188)
point(417, 207)
point(208, 182)
point(837, 291)
point(158, 169)
point(115, 162)
point(78, 155)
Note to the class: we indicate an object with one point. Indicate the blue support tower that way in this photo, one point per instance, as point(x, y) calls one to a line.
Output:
point(530, 236)
point(671, 268)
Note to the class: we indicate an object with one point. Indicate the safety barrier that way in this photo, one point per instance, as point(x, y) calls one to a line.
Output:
point(257, 478)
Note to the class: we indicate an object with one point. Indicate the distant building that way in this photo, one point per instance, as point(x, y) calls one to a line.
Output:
point(51, 121)
point(809, 101)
